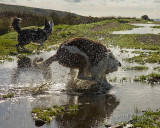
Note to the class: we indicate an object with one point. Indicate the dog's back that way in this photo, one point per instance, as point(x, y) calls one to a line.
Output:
point(95, 51)
point(27, 35)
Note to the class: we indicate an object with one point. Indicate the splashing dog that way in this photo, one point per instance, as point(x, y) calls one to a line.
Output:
point(26, 36)
point(88, 56)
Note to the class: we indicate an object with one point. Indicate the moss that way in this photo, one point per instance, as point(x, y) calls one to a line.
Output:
point(47, 114)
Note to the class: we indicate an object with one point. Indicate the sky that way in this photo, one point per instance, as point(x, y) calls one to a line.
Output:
point(98, 8)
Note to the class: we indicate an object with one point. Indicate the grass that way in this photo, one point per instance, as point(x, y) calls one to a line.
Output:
point(136, 41)
point(150, 57)
point(156, 27)
point(47, 114)
point(9, 95)
point(137, 68)
point(156, 68)
point(93, 31)
point(113, 79)
point(148, 119)
point(124, 78)
point(153, 77)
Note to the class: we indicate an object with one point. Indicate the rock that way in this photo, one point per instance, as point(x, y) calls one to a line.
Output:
point(117, 126)
point(39, 123)
point(108, 125)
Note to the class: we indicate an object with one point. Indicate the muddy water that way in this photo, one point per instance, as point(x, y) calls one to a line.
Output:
point(142, 29)
point(94, 111)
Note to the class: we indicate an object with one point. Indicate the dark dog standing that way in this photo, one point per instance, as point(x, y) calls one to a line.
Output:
point(26, 36)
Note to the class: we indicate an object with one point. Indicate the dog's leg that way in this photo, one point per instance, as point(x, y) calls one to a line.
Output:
point(82, 76)
point(41, 44)
point(72, 73)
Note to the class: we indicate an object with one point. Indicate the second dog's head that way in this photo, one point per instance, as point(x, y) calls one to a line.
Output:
point(48, 27)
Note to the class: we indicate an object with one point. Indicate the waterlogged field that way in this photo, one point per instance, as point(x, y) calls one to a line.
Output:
point(36, 98)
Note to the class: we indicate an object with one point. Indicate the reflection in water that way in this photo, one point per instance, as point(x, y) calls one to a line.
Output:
point(92, 111)
point(24, 65)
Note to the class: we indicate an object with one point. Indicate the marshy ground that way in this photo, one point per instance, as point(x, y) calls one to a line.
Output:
point(136, 85)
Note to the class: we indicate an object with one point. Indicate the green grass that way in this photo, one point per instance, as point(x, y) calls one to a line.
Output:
point(113, 79)
point(156, 27)
point(9, 95)
point(148, 119)
point(150, 57)
point(137, 68)
point(153, 77)
point(136, 41)
point(156, 68)
point(47, 114)
point(124, 78)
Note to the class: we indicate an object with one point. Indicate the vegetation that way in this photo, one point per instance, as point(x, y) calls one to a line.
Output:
point(148, 119)
point(113, 79)
point(124, 78)
point(153, 77)
point(9, 95)
point(47, 114)
point(156, 27)
point(150, 57)
point(157, 68)
point(139, 68)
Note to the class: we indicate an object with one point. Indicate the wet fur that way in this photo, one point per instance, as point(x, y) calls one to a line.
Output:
point(91, 58)
point(26, 36)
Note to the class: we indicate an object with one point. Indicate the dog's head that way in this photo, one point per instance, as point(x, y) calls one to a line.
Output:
point(48, 27)
point(112, 63)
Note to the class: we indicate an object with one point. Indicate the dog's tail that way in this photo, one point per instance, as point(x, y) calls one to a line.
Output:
point(15, 24)
point(44, 64)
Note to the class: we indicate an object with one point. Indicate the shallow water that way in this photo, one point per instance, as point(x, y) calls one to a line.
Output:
point(94, 111)
point(142, 29)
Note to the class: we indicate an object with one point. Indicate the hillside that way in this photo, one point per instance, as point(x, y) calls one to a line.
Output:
point(31, 10)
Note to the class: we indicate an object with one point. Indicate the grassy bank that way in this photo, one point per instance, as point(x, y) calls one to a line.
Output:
point(147, 119)
point(47, 114)
point(96, 31)
point(153, 77)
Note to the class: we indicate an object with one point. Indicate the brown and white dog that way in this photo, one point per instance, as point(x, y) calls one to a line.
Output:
point(87, 56)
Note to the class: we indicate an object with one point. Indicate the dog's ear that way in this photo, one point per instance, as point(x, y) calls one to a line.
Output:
point(51, 24)
point(46, 24)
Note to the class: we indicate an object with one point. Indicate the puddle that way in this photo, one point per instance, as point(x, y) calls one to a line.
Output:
point(94, 111)
point(142, 29)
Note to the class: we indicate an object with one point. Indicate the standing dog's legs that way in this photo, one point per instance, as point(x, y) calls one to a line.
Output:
point(41, 44)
